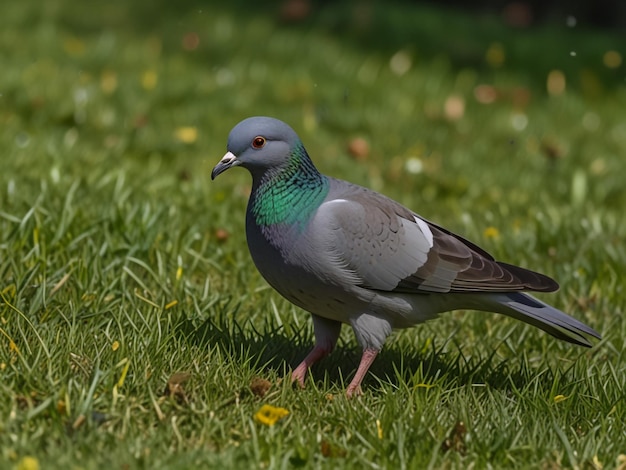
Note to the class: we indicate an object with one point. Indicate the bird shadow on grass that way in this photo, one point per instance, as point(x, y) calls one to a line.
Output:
point(274, 350)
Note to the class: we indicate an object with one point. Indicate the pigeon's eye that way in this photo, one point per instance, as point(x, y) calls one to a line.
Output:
point(258, 142)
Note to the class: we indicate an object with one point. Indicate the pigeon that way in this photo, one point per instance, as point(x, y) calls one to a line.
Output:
point(347, 254)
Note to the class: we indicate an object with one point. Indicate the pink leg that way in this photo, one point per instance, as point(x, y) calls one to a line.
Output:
point(366, 361)
point(326, 334)
point(317, 353)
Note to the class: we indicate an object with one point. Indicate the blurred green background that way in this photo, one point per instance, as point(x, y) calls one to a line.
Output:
point(122, 264)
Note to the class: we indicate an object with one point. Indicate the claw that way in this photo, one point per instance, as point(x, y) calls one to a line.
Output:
point(299, 373)
point(354, 389)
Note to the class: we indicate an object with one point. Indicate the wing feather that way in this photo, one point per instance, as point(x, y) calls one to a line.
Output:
point(390, 248)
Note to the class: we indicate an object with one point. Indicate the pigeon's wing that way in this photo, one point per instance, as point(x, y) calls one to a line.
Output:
point(388, 247)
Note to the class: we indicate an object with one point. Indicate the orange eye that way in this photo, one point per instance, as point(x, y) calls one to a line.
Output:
point(258, 142)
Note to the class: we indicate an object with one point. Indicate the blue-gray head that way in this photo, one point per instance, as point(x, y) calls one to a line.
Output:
point(258, 144)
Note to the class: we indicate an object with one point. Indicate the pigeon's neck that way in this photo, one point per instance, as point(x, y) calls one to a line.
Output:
point(290, 194)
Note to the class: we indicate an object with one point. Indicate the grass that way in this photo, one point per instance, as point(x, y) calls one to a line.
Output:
point(121, 264)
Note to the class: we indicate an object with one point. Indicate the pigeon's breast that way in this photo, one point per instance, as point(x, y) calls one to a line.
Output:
point(286, 261)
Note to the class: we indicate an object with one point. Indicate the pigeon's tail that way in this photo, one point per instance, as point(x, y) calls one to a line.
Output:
point(534, 312)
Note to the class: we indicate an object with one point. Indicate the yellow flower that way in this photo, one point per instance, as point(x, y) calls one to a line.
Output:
point(269, 415)
point(612, 59)
point(186, 134)
point(149, 80)
point(495, 55)
point(28, 463)
point(560, 398)
point(73, 46)
point(108, 81)
point(556, 82)
point(492, 232)
point(115, 346)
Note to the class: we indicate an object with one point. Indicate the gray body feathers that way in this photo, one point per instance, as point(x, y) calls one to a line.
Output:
point(363, 254)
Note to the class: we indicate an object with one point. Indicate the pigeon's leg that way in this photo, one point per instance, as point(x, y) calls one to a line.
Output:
point(366, 361)
point(371, 331)
point(326, 335)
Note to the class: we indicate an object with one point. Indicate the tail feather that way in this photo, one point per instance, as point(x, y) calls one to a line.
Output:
point(541, 315)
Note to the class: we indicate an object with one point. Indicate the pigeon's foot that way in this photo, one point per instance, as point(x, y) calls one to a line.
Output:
point(354, 389)
point(299, 373)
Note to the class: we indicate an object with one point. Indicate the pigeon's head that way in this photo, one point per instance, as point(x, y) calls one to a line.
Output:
point(258, 144)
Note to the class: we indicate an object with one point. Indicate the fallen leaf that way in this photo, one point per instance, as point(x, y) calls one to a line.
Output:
point(551, 150)
point(174, 387)
point(454, 107)
point(456, 440)
point(259, 386)
point(359, 148)
point(221, 235)
point(330, 450)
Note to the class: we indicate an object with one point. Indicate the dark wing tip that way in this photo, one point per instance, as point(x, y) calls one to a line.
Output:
point(532, 280)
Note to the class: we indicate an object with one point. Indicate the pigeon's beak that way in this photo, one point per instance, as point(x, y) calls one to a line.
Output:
point(224, 164)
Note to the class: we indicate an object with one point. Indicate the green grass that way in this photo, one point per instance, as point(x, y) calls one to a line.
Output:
point(115, 273)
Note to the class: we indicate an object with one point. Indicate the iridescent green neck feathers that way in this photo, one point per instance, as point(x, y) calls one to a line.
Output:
point(289, 194)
